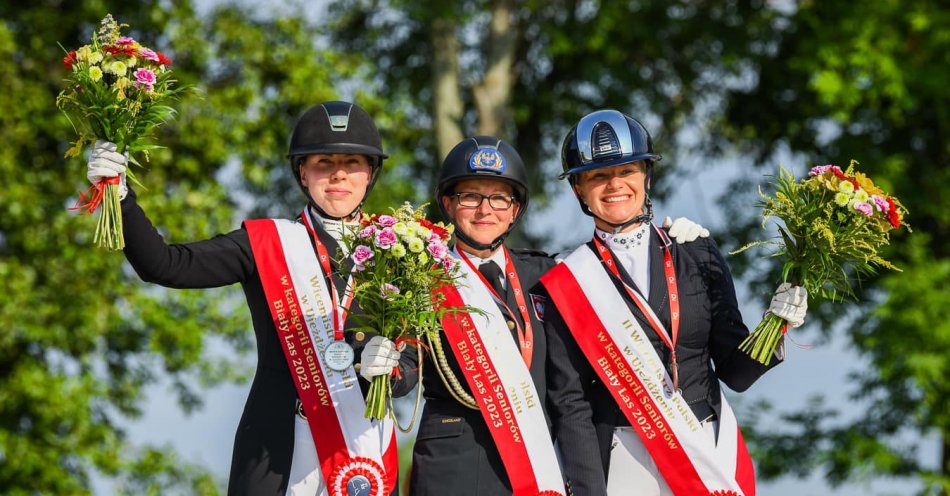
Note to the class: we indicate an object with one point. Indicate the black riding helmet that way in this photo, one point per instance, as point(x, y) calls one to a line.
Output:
point(606, 138)
point(483, 157)
point(336, 127)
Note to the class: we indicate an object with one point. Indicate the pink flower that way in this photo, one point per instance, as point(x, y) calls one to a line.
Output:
point(437, 250)
point(864, 207)
point(821, 169)
point(145, 78)
point(388, 291)
point(385, 238)
point(880, 203)
point(124, 40)
point(434, 237)
point(448, 263)
point(361, 255)
point(386, 220)
point(367, 232)
point(148, 54)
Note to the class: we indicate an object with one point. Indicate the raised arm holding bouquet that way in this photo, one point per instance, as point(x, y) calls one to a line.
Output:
point(117, 91)
point(834, 223)
point(303, 429)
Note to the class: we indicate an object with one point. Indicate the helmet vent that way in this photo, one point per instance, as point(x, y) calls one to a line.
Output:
point(339, 122)
point(605, 143)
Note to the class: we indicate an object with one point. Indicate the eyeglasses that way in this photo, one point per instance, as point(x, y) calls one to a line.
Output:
point(497, 201)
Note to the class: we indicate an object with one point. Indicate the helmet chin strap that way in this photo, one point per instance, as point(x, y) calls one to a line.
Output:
point(646, 216)
point(483, 246)
point(322, 213)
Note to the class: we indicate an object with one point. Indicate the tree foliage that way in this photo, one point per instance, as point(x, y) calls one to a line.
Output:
point(82, 336)
point(833, 83)
point(657, 60)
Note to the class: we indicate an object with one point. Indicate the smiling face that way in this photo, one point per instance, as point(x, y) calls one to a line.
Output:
point(483, 224)
point(613, 194)
point(337, 183)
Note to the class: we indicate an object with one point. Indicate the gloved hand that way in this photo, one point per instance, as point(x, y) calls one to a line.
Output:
point(684, 230)
point(106, 162)
point(379, 356)
point(790, 303)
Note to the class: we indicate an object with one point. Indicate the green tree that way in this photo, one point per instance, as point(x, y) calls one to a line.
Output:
point(526, 71)
point(81, 335)
point(833, 82)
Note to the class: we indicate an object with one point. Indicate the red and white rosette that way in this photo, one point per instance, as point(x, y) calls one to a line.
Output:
point(368, 475)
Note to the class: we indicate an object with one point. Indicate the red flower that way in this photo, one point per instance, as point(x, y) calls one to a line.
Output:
point(892, 215)
point(70, 59)
point(434, 228)
point(121, 50)
point(162, 59)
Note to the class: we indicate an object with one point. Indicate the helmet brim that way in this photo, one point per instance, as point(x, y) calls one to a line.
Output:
point(338, 148)
point(603, 164)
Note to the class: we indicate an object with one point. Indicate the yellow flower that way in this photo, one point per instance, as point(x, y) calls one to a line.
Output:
point(868, 185)
point(400, 228)
point(423, 257)
point(132, 61)
point(415, 244)
point(95, 57)
point(95, 73)
point(122, 83)
point(842, 199)
point(846, 187)
point(398, 250)
point(118, 68)
point(422, 231)
point(84, 53)
point(861, 196)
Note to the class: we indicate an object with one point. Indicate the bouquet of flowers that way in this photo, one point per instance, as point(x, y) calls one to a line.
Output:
point(116, 90)
point(835, 222)
point(399, 260)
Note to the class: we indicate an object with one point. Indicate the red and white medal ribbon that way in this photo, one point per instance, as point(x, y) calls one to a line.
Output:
point(620, 352)
point(502, 386)
point(303, 310)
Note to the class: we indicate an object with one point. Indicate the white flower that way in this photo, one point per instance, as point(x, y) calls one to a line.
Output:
point(416, 245)
point(861, 196)
point(118, 68)
point(398, 250)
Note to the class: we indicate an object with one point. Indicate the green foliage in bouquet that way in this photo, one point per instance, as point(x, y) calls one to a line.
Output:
point(399, 261)
point(834, 223)
point(120, 91)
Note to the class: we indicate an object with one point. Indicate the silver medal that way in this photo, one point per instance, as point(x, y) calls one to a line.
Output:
point(338, 356)
point(358, 485)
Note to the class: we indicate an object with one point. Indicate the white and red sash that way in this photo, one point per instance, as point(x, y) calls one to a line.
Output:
point(348, 445)
point(502, 386)
point(620, 352)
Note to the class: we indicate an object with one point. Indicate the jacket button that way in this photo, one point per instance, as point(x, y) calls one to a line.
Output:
point(511, 325)
point(356, 367)
point(360, 336)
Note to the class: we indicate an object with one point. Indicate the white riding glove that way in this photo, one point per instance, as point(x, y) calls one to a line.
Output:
point(106, 162)
point(684, 230)
point(378, 358)
point(790, 303)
